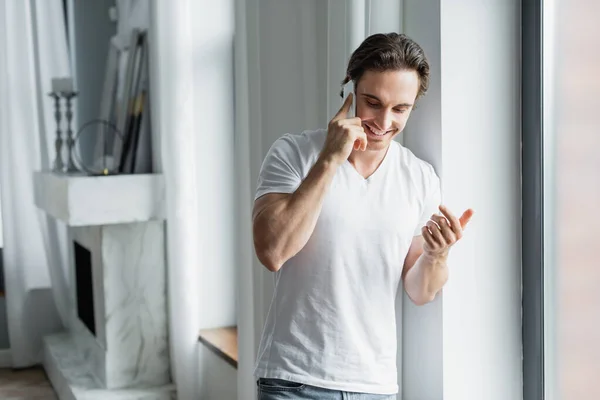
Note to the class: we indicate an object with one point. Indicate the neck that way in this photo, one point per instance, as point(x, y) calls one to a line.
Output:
point(367, 161)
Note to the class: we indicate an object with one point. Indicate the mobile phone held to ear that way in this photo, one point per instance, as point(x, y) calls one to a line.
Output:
point(349, 88)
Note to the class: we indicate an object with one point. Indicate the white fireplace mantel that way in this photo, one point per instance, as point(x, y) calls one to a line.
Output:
point(115, 346)
point(81, 200)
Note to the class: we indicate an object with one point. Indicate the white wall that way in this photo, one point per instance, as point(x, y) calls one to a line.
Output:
point(480, 94)
point(219, 378)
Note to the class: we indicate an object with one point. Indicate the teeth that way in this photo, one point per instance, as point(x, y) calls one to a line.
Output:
point(377, 133)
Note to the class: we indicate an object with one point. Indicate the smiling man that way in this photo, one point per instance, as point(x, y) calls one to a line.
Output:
point(344, 216)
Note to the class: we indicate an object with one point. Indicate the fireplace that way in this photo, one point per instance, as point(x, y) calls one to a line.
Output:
point(84, 286)
point(115, 345)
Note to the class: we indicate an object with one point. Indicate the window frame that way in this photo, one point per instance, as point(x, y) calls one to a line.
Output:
point(532, 163)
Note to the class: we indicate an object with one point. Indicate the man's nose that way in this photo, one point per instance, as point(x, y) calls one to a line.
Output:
point(384, 120)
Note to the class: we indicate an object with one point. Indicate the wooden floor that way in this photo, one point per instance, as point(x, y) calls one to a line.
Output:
point(25, 384)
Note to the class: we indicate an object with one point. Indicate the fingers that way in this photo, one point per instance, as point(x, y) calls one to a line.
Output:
point(455, 224)
point(459, 223)
point(342, 124)
point(435, 233)
point(360, 139)
point(444, 227)
point(356, 135)
point(343, 112)
point(443, 231)
point(354, 121)
point(466, 217)
point(428, 238)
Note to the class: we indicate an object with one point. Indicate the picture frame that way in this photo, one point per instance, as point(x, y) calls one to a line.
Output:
point(125, 107)
point(135, 103)
point(109, 110)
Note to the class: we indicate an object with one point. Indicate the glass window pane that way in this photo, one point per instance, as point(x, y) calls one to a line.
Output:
point(572, 198)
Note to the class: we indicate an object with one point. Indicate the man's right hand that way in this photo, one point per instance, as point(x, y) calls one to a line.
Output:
point(282, 224)
point(344, 135)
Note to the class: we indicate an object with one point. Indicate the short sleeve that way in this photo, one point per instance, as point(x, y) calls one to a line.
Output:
point(280, 170)
point(432, 199)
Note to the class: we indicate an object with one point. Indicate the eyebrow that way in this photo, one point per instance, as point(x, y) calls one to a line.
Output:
point(371, 96)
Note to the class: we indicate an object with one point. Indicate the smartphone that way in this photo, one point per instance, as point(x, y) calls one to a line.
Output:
point(349, 88)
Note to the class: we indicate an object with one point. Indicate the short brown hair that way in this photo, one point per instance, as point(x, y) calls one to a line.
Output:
point(389, 52)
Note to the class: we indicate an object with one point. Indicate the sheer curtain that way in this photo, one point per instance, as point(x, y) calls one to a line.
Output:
point(191, 50)
point(33, 49)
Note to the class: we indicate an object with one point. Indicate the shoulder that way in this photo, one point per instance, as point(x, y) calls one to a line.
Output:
point(299, 149)
point(415, 164)
point(305, 141)
point(420, 172)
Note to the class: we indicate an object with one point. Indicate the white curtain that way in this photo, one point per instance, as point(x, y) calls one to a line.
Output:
point(191, 67)
point(174, 118)
point(33, 50)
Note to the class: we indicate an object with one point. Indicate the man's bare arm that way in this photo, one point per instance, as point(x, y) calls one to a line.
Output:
point(425, 269)
point(423, 275)
point(283, 223)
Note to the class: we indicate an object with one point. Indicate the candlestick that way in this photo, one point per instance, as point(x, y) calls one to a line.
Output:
point(58, 164)
point(70, 141)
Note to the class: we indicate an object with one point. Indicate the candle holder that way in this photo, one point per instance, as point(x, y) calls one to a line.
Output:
point(58, 164)
point(68, 96)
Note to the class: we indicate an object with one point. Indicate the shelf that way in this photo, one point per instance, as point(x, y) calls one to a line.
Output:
point(81, 200)
point(223, 342)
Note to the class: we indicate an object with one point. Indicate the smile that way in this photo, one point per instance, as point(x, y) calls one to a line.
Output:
point(377, 132)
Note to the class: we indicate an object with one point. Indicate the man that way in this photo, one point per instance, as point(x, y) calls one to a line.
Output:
point(342, 216)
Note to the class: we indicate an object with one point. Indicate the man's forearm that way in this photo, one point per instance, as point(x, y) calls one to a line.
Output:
point(283, 229)
point(426, 278)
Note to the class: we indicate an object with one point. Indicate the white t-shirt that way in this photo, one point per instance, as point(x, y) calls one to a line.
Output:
point(332, 320)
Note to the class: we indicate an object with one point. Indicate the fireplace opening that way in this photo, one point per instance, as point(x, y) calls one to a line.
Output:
point(84, 287)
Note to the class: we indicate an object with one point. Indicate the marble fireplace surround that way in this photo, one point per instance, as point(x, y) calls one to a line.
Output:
point(119, 220)
point(130, 345)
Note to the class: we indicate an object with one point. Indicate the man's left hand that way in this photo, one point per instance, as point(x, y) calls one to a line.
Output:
point(443, 231)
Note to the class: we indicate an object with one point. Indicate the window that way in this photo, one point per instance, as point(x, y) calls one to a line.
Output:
point(561, 189)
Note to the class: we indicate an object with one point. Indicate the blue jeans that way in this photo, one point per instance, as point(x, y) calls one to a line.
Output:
point(278, 389)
